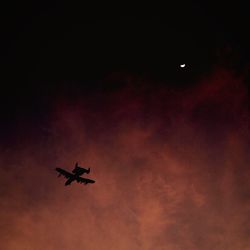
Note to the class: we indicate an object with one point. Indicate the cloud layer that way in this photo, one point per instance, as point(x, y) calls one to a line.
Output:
point(171, 171)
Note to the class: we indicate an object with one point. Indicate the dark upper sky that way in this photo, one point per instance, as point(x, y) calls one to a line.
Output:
point(59, 41)
point(47, 48)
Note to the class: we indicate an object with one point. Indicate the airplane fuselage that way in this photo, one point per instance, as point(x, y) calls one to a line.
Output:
point(71, 179)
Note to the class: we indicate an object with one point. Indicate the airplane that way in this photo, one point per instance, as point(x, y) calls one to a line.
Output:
point(77, 171)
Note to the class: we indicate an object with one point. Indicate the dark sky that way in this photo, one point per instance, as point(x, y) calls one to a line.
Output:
point(167, 146)
point(61, 42)
point(51, 47)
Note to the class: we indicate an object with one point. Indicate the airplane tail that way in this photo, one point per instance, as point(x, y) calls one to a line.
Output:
point(76, 165)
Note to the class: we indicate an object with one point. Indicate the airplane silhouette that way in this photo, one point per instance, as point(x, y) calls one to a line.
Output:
point(77, 171)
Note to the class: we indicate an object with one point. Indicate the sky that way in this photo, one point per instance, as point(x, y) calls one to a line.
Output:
point(167, 146)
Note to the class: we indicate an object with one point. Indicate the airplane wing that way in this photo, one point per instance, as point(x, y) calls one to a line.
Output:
point(64, 173)
point(84, 180)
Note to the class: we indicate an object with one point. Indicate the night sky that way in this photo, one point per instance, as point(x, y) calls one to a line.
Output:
point(167, 146)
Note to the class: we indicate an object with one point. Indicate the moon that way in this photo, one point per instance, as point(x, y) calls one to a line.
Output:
point(183, 65)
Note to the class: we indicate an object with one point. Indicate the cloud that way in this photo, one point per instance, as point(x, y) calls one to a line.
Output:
point(171, 171)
